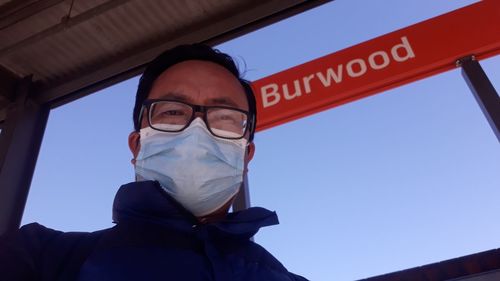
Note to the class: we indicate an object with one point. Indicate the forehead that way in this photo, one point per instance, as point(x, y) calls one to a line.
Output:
point(200, 82)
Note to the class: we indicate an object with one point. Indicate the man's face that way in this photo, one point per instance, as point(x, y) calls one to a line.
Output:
point(201, 83)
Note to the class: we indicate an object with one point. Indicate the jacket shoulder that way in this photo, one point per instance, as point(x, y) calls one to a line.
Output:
point(36, 252)
point(65, 254)
point(35, 231)
point(20, 251)
point(27, 241)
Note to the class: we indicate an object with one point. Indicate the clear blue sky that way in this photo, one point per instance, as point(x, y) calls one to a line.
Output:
point(404, 178)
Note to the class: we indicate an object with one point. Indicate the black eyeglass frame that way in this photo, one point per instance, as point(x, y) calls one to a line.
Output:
point(197, 108)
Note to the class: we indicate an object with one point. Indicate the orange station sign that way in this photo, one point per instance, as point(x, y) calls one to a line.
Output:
point(400, 57)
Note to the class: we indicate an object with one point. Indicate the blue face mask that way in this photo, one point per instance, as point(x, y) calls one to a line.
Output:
point(200, 171)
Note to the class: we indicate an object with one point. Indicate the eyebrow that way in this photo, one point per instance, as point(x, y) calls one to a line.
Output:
point(224, 101)
point(176, 96)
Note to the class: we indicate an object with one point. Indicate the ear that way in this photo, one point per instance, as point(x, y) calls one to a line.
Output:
point(134, 144)
point(250, 151)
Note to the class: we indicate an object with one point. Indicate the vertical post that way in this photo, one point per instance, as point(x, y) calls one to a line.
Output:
point(20, 141)
point(484, 92)
point(242, 200)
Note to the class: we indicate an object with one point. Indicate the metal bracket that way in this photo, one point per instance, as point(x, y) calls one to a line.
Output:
point(460, 61)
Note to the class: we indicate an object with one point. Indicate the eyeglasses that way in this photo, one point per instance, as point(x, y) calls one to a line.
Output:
point(175, 116)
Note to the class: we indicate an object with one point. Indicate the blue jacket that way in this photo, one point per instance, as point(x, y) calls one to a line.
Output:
point(154, 239)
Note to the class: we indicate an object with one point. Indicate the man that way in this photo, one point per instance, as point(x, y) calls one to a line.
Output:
point(194, 122)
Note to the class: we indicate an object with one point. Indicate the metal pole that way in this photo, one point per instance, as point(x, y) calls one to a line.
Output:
point(242, 200)
point(20, 141)
point(484, 92)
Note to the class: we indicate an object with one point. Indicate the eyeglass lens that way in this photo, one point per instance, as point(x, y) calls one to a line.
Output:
point(174, 116)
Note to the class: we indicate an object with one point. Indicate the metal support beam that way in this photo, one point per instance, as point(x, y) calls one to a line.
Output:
point(242, 200)
point(20, 141)
point(484, 92)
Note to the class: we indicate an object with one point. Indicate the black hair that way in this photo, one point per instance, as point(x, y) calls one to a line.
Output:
point(191, 52)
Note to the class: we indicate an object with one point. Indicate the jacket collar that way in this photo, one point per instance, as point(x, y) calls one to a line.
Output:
point(146, 202)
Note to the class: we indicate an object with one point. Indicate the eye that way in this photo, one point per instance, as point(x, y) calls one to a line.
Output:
point(173, 112)
point(226, 117)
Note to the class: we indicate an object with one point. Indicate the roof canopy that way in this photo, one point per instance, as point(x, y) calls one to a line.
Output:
point(72, 48)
